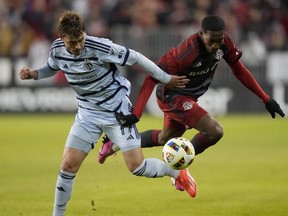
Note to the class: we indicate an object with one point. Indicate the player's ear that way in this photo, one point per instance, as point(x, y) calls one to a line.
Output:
point(61, 36)
point(202, 33)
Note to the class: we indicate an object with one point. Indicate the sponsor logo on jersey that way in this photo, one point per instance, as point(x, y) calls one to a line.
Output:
point(219, 54)
point(205, 71)
point(187, 105)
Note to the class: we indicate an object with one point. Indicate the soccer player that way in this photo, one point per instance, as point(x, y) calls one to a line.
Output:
point(89, 64)
point(197, 58)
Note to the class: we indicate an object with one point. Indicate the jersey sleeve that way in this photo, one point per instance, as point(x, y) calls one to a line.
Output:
point(233, 52)
point(52, 62)
point(50, 69)
point(117, 54)
point(144, 95)
point(247, 79)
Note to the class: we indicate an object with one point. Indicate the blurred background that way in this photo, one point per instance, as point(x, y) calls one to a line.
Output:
point(258, 27)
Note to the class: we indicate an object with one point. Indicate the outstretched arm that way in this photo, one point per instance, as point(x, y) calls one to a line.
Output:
point(144, 95)
point(171, 81)
point(44, 72)
point(246, 78)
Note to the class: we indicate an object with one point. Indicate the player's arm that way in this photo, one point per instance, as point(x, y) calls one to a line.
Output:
point(44, 72)
point(247, 79)
point(156, 75)
point(143, 96)
point(171, 81)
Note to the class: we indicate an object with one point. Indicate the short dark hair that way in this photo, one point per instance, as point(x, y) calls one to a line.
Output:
point(71, 23)
point(213, 23)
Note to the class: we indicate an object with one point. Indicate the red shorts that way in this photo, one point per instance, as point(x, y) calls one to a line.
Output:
point(181, 112)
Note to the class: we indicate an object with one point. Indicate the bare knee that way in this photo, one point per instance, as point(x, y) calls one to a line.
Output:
point(69, 167)
point(210, 128)
point(133, 158)
point(72, 159)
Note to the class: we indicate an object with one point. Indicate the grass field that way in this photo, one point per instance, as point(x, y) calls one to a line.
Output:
point(245, 174)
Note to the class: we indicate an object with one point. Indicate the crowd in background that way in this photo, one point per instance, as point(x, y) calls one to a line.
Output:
point(257, 25)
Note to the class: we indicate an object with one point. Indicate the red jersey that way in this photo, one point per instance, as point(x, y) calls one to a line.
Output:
point(191, 58)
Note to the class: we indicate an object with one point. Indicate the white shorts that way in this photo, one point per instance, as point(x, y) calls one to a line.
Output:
point(89, 126)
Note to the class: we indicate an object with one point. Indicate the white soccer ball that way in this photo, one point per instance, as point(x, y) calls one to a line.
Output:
point(178, 153)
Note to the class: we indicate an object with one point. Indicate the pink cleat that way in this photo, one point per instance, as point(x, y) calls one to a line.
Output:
point(186, 181)
point(106, 150)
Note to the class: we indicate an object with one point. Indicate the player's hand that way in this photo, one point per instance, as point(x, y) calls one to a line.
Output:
point(273, 107)
point(27, 73)
point(177, 82)
point(126, 120)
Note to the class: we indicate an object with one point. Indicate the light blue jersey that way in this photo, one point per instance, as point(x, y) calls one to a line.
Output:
point(100, 89)
point(93, 74)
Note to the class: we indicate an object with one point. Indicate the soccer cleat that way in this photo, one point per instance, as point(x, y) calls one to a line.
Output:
point(176, 184)
point(106, 150)
point(186, 181)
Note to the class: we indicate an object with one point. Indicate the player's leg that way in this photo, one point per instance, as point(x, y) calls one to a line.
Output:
point(75, 152)
point(171, 128)
point(129, 142)
point(186, 111)
point(72, 160)
point(155, 168)
point(210, 132)
point(149, 138)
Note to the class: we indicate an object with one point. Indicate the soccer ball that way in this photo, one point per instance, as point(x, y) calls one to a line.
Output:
point(178, 153)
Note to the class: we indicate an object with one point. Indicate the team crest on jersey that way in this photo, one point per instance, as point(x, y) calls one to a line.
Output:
point(187, 105)
point(88, 65)
point(121, 53)
point(219, 54)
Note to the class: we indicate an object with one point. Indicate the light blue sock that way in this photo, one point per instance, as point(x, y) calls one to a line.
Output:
point(63, 192)
point(153, 168)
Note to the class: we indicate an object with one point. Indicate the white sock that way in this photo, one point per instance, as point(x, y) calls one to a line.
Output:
point(115, 147)
point(153, 168)
point(63, 192)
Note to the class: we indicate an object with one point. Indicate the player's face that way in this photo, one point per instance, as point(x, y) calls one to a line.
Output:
point(74, 45)
point(213, 40)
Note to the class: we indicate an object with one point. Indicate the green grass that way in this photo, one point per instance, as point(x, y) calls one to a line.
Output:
point(245, 174)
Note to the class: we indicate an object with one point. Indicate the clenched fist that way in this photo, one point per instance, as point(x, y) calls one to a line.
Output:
point(27, 73)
